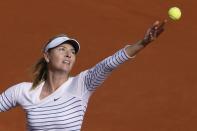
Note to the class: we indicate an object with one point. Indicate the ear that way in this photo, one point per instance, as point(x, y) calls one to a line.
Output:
point(46, 57)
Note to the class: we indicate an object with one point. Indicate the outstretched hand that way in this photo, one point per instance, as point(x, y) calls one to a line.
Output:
point(153, 32)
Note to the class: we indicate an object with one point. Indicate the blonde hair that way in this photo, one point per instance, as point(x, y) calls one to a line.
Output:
point(39, 71)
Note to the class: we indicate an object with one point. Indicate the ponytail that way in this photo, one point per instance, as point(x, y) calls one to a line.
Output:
point(39, 72)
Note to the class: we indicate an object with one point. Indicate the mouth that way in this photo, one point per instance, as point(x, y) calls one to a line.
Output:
point(66, 62)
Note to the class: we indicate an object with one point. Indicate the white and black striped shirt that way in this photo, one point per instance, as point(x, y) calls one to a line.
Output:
point(64, 109)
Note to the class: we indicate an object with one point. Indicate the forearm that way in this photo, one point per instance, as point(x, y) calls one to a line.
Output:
point(133, 49)
point(4, 103)
point(8, 99)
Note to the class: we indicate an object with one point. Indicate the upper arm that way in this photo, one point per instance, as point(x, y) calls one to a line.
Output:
point(96, 75)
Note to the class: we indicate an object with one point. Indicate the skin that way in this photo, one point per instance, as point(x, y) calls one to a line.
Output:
point(61, 60)
point(58, 71)
point(151, 35)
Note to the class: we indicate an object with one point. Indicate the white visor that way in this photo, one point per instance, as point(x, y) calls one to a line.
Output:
point(60, 40)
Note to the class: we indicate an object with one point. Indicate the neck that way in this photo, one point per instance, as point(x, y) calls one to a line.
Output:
point(55, 80)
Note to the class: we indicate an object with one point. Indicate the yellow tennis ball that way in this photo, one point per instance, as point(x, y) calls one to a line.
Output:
point(174, 13)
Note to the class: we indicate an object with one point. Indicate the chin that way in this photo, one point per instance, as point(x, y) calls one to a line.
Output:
point(66, 70)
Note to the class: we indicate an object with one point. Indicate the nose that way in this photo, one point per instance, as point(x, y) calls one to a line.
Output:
point(68, 54)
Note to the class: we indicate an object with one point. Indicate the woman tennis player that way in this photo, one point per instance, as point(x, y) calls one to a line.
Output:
point(56, 101)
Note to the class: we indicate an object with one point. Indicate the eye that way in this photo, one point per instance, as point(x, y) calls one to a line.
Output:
point(73, 52)
point(61, 49)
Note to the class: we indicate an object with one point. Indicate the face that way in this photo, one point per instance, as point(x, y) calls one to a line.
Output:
point(61, 58)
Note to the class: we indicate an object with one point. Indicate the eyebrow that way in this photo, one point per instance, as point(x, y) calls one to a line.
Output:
point(66, 47)
point(72, 49)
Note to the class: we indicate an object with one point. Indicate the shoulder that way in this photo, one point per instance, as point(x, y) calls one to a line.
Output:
point(83, 73)
point(17, 89)
point(79, 77)
point(21, 86)
point(77, 84)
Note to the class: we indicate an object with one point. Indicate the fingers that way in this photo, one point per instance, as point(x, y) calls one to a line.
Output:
point(162, 24)
point(157, 24)
point(157, 28)
point(161, 27)
point(159, 32)
point(154, 31)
